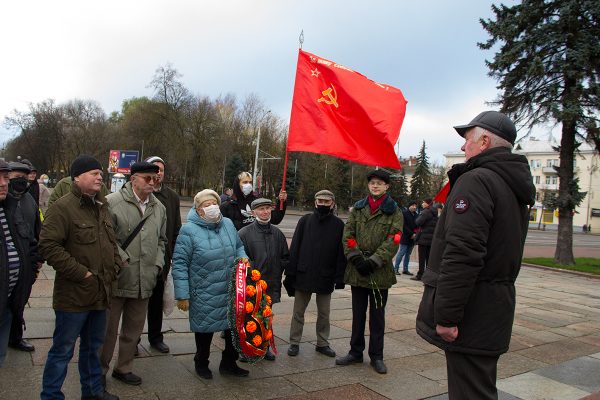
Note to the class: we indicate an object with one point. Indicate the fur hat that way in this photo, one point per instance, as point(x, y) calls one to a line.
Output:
point(379, 174)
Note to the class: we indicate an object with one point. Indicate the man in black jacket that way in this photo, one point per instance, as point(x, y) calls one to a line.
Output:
point(169, 198)
point(267, 250)
point(20, 189)
point(317, 264)
point(426, 222)
point(468, 302)
point(18, 260)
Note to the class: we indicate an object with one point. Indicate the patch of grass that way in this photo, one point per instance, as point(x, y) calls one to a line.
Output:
point(589, 265)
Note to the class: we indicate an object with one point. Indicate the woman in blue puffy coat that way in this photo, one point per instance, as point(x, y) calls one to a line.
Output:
point(206, 249)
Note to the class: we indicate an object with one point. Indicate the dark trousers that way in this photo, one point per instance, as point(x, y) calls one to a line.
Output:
point(471, 376)
point(16, 328)
point(361, 297)
point(155, 312)
point(423, 258)
point(203, 341)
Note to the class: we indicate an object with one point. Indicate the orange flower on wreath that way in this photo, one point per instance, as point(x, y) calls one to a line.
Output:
point(263, 285)
point(268, 334)
point(250, 290)
point(249, 307)
point(257, 340)
point(268, 298)
point(267, 312)
point(255, 275)
point(251, 326)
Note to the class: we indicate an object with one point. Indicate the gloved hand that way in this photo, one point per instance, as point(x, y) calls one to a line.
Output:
point(356, 259)
point(365, 267)
point(183, 305)
point(340, 285)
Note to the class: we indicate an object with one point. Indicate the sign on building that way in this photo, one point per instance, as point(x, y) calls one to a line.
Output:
point(595, 212)
point(120, 161)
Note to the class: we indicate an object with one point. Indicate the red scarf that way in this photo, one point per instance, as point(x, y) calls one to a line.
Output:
point(374, 204)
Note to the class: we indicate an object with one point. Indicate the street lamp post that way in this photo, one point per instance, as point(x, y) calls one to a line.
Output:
point(255, 169)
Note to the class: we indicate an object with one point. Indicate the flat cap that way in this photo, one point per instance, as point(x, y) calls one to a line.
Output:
point(19, 166)
point(325, 195)
point(4, 166)
point(141, 167)
point(260, 202)
point(154, 159)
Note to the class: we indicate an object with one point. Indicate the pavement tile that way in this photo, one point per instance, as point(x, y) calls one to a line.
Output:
point(596, 355)
point(591, 339)
point(424, 362)
point(356, 391)
point(410, 336)
point(531, 386)
point(501, 396)
point(583, 373)
point(511, 364)
point(557, 352)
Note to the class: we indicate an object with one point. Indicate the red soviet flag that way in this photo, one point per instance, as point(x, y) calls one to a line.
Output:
point(342, 113)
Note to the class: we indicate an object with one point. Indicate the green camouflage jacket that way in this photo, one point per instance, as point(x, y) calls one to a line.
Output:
point(374, 235)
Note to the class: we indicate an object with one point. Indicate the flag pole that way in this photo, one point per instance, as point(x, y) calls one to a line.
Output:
point(285, 167)
point(285, 162)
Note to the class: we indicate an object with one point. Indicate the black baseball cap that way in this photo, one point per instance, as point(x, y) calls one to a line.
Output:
point(493, 121)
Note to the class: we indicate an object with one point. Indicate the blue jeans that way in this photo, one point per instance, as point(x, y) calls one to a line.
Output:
point(5, 323)
point(404, 251)
point(90, 326)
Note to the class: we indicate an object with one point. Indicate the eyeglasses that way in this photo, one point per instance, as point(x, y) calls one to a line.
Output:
point(148, 178)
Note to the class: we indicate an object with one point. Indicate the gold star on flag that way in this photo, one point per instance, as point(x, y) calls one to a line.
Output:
point(314, 72)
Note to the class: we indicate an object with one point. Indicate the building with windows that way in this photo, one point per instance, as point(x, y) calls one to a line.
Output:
point(543, 158)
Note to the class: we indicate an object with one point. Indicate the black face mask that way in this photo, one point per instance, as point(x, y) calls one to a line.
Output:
point(323, 210)
point(18, 186)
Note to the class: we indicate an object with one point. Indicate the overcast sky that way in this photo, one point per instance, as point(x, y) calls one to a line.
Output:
point(108, 51)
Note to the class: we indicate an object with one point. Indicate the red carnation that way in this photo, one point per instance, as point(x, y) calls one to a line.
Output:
point(351, 243)
point(397, 237)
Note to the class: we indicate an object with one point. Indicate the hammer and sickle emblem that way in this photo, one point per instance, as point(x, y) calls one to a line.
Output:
point(331, 98)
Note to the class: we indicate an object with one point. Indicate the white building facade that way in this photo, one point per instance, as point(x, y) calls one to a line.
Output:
point(542, 159)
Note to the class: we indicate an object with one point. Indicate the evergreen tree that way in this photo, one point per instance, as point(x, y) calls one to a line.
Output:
point(399, 189)
point(420, 186)
point(548, 69)
point(234, 166)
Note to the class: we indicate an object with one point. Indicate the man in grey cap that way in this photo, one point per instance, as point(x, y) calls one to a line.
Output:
point(19, 263)
point(468, 302)
point(317, 265)
point(267, 249)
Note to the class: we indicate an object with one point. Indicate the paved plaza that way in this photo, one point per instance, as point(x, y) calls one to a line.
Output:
point(554, 352)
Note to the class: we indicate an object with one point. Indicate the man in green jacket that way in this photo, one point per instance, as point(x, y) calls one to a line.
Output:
point(78, 240)
point(371, 238)
point(64, 186)
point(143, 253)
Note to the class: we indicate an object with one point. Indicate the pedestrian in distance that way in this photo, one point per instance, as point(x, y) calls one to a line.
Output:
point(426, 222)
point(317, 265)
point(468, 303)
point(371, 238)
point(407, 241)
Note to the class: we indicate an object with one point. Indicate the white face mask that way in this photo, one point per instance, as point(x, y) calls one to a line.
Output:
point(212, 213)
point(247, 189)
point(261, 221)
